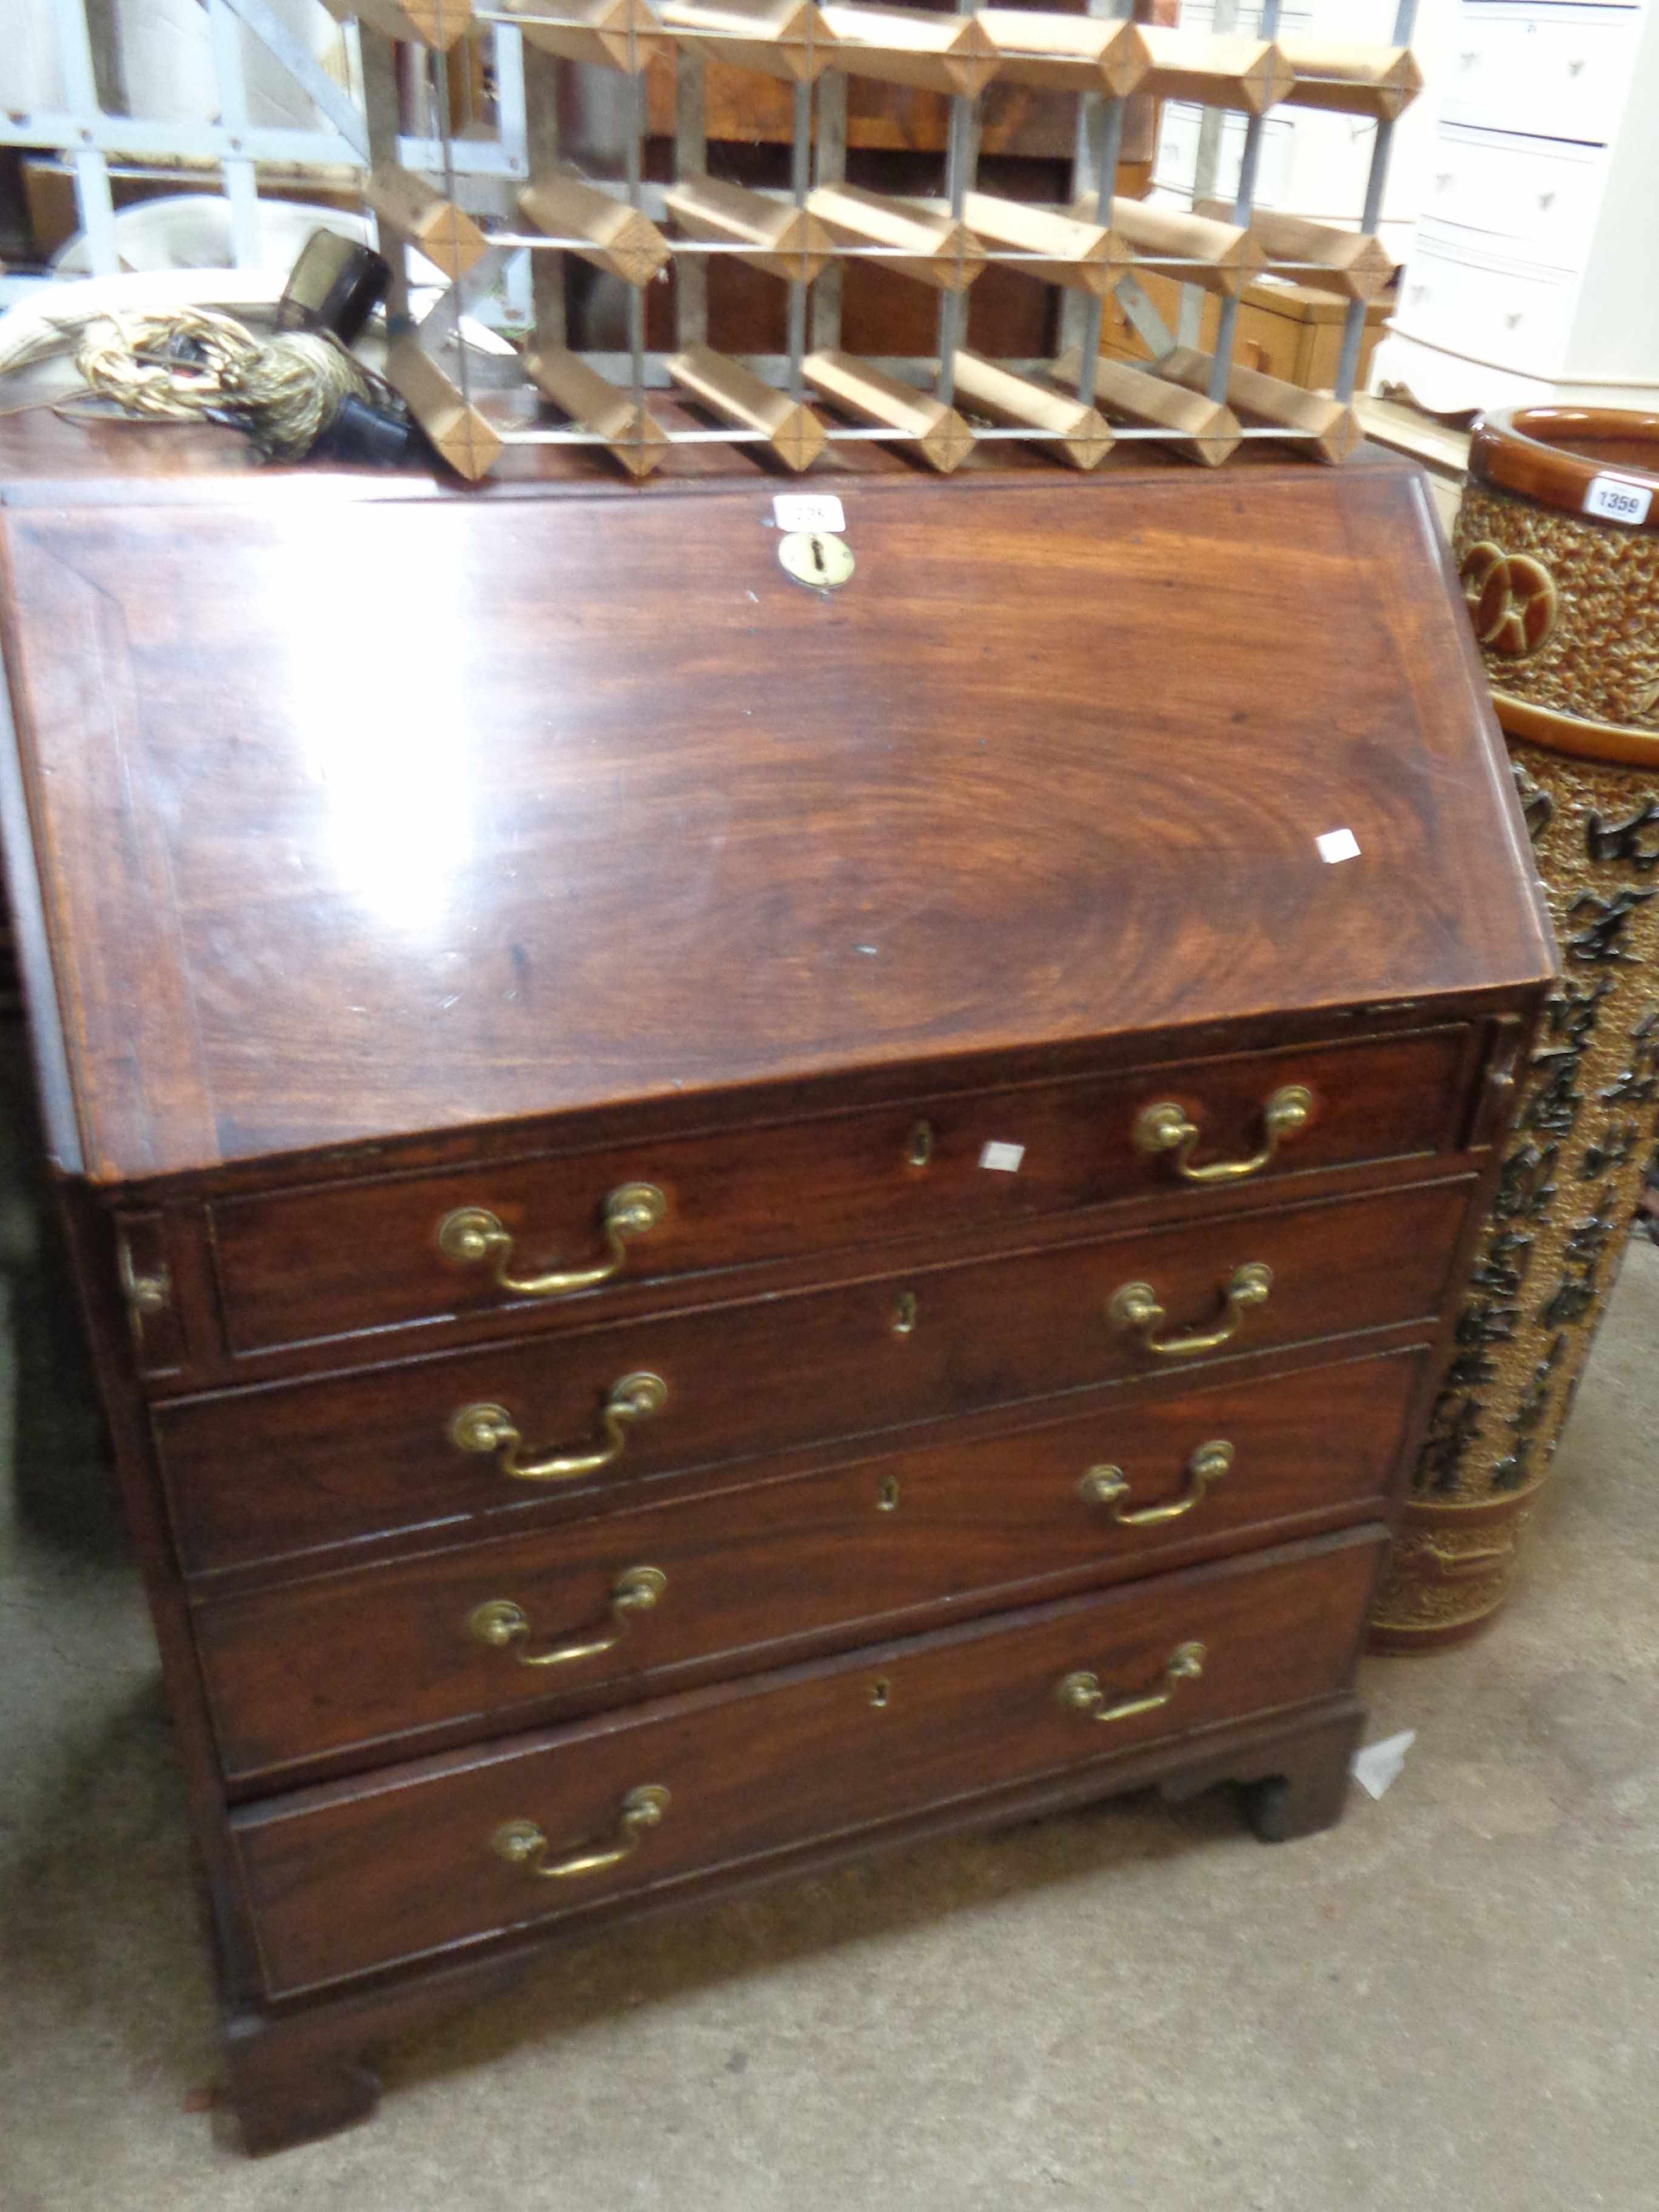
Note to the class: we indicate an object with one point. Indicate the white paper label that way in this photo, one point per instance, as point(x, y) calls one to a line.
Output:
point(1006, 1156)
point(1379, 1763)
point(1619, 501)
point(800, 510)
point(1338, 845)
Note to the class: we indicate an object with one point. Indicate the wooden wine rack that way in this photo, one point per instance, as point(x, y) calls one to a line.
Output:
point(814, 405)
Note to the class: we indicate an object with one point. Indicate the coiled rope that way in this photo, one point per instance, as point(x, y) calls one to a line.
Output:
point(192, 364)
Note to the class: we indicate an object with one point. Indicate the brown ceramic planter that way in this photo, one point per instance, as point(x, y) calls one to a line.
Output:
point(1566, 604)
point(1569, 624)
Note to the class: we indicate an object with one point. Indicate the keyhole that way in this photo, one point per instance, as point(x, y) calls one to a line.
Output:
point(818, 554)
point(887, 1495)
point(904, 1313)
point(921, 1149)
point(879, 1692)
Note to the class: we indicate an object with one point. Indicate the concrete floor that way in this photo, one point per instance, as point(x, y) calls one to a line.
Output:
point(1451, 2001)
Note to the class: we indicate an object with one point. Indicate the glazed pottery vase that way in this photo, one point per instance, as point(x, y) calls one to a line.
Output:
point(1557, 543)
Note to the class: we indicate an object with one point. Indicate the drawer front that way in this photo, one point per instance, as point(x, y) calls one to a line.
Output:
point(1532, 198)
point(1181, 126)
point(349, 1660)
point(347, 1879)
point(1506, 314)
point(276, 1472)
point(1559, 71)
point(331, 1262)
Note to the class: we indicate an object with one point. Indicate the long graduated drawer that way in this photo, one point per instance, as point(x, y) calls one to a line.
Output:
point(275, 1473)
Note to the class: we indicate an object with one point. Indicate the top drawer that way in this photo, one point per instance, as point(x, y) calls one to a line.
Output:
point(530, 1234)
point(1559, 71)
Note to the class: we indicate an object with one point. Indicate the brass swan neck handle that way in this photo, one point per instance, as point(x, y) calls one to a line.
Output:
point(1166, 1127)
point(1133, 1309)
point(488, 1428)
point(473, 1235)
point(522, 1844)
point(504, 1626)
point(1109, 1486)
point(1082, 1693)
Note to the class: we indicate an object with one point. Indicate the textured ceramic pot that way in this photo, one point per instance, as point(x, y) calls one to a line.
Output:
point(1557, 543)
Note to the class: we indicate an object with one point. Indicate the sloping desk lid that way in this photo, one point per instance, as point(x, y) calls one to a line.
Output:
point(360, 815)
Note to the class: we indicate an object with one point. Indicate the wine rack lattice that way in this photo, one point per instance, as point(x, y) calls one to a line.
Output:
point(816, 399)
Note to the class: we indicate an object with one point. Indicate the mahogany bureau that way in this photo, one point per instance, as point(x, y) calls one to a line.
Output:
point(726, 1224)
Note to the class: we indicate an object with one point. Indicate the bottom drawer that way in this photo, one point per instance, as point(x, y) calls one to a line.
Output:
point(1506, 312)
point(353, 1876)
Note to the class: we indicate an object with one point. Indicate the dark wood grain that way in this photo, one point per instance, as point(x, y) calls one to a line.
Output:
point(873, 827)
point(344, 1881)
point(298, 1266)
point(357, 1659)
point(274, 1472)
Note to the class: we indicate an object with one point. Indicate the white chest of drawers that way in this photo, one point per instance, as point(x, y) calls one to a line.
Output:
point(1532, 274)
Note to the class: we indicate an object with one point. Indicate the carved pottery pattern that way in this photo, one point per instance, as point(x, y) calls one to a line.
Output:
point(1601, 659)
point(1512, 599)
point(1586, 1131)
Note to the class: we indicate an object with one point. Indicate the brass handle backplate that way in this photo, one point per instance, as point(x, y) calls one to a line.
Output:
point(522, 1844)
point(486, 1428)
point(1133, 1308)
point(145, 1293)
point(505, 1626)
point(1166, 1127)
point(473, 1235)
point(1082, 1693)
point(1109, 1486)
